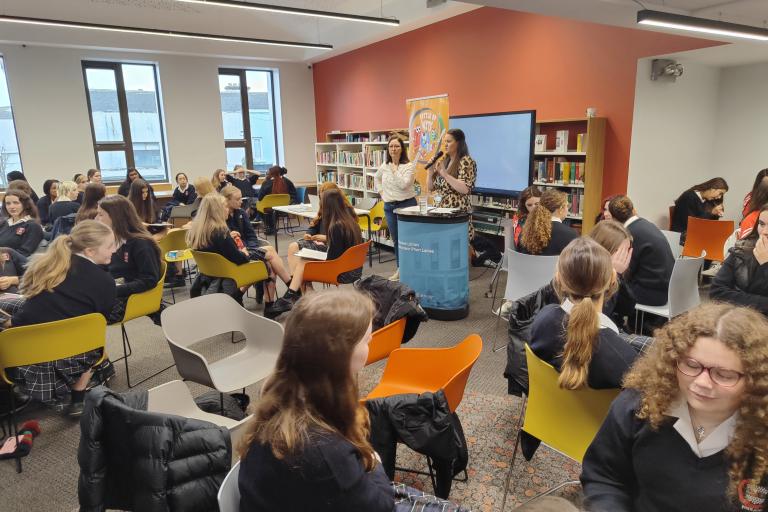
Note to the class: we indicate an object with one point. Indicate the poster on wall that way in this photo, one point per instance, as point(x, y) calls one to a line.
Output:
point(427, 122)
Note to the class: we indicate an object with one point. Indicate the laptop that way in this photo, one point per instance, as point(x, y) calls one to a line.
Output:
point(314, 201)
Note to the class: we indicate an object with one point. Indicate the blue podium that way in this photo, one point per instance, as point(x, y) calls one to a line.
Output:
point(434, 261)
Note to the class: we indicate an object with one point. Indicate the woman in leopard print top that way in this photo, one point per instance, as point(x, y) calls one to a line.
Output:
point(453, 176)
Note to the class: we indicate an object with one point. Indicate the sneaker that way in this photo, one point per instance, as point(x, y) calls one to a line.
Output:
point(75, 409)
point(395, 276)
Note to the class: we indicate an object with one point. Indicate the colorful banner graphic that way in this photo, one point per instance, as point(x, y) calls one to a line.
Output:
point(427, 122)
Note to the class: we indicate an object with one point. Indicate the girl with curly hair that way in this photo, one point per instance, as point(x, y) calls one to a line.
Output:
point(544, 232)
point(529, 198)
point(689, 431)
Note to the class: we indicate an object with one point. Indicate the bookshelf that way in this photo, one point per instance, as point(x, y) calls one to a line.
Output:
point(351, 158)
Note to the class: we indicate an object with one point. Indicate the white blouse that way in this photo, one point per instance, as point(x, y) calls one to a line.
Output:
point(395, 182)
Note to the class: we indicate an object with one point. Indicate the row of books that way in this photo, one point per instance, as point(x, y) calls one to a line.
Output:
point(576, 202)
point(344, 180)
point(558, 171)
point(350, 137)
point(370, 183)
point(351, 158)
point(325, 157)
point(376, 157)
point(561, 142)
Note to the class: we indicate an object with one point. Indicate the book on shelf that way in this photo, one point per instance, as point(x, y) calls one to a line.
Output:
point(558, 171)
point(540, 142)
point(325, 157)
point(326, 176)
point(351, 158)
point(561, 141)
point(581, 142)
point(376, 157)
point(370, 183)
point(576, 202)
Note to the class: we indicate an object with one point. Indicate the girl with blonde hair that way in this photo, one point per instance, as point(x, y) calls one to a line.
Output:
point(64, 282)
point(544, 232)
point(219, 179)
point(66, 201)
point(689, 431)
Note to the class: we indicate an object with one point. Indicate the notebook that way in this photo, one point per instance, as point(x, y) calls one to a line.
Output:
point(314, 201)
point(311, 254)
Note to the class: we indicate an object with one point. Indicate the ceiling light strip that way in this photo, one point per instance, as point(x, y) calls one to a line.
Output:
point(158, 32)
point(701, 25)
point(295, 10)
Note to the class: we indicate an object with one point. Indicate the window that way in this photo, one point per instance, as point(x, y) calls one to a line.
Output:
point(10, 160)
point(126, 123)
point(248, 115)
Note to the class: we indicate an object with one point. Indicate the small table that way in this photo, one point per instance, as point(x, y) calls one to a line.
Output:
point(308, 212)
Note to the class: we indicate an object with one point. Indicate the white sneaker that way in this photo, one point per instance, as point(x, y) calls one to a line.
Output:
point(395, 276)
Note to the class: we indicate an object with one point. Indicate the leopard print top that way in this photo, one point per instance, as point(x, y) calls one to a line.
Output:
point(451, 198)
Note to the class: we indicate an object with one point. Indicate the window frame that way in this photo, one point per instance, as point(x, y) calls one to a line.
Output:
point(4, 177)
point(126, 146)
point(246, 141)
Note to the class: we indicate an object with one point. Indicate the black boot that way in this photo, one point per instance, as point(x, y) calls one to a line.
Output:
point(286, 303)
point(75, 408)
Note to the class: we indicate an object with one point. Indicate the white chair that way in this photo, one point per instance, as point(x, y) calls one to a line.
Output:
point(683, 292)
point(175, 398)
point(673, 238)
point(525, 274)
point(229, 492)
point(188, 322)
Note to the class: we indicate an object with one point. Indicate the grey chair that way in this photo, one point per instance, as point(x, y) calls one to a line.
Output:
point(184, 211)
point(229, 492)
point(683, 292)
point(526, 273)
point(191, 321)
point(673, 238)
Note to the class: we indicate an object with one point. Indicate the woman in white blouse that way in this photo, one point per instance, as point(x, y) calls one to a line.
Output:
point(394, 182)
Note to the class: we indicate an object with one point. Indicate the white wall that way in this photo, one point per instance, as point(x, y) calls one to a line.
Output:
point(49, 106)
point(674, 129)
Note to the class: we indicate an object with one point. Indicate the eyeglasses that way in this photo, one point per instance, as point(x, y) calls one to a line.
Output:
point(721, 376)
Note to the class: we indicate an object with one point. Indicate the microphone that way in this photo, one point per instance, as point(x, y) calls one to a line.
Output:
point(434, 159)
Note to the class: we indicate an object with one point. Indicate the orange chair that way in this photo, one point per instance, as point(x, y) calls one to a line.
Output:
point(707, 235)
point(328, 271)
point(385, 340)
point(418, 370)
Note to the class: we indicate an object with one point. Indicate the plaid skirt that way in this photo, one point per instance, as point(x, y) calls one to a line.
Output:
point(51, 382)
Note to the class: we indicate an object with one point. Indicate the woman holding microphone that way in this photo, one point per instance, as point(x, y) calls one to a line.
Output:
point(394, 182)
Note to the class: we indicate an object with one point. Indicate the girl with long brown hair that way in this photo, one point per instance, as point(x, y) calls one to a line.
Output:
point(544, 232)
point(528, 199)
point(343, 232)
point(704, 201)
point(689, 431)
point(307, 445)
point(94, 192)
point(20, 228)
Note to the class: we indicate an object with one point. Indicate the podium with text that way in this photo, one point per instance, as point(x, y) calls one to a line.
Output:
point(434, 261)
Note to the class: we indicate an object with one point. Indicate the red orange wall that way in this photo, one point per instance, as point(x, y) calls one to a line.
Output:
point(494, 60)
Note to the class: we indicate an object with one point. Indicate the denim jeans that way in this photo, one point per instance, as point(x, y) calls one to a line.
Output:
point(389, 213)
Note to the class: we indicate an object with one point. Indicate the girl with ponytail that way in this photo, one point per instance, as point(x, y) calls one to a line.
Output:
point(64, 282)
point(544, 232)
point(576, 337)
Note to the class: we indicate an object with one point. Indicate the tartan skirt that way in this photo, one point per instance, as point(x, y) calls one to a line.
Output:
point(52, 381)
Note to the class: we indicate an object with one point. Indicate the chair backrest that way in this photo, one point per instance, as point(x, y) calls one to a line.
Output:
point(366, 203)
point(314, 201)
point(51, 341)
point(271, 200)
point(213, 264)
point(301, 192)
point(328, 271)
point(566, 420)
point(229, 492)
point(730, 242)
point(684, 285)
point(63, 225)
point(174, 240)
point(707, 235)
point(185, 210)
point(376, 214)
point(527, 273)
point(673, 239)
point(385, 340)
point(145, 303)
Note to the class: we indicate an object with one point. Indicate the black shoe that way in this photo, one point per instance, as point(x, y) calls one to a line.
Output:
point(269, 310)
point(178, 282)
point(101, 374)
point(75, 409)
point(282, 305)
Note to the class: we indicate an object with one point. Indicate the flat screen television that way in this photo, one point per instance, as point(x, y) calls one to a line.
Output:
point(502, 145)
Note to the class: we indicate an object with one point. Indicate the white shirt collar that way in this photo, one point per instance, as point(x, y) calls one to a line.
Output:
point(605, 322)
point(630, 220)
point(555, 218)
point(699, 195)
point(715, 442)
point(182, 190)
point(23, 219)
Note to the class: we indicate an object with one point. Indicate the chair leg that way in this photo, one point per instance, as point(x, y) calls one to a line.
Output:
point(221, 402)
point(127, 351)
point(13, 430)
point(518, 427)
point(496, 335)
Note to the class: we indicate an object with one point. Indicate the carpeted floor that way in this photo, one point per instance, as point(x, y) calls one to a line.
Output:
point(488, 414)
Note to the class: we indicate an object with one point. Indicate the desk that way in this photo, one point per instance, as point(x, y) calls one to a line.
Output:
point(308, 212)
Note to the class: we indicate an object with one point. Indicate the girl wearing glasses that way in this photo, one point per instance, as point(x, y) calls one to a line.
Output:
point(689, 431)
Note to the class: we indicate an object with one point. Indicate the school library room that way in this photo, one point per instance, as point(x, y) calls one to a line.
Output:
point(383, 255)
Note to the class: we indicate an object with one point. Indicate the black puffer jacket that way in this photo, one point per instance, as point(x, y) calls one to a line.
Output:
point(741, 280)
point(393, 301)
point(131, 459)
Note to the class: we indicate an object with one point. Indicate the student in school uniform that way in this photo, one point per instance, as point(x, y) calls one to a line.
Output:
point(144, 204)
point(65, 203)
point(132, 175)
point(65, 282)
point(703, 201)
point(136, 263)
point(219, 179)
point(94, 176)
point(244, 179)
point(20, 229)
point(276, 183)
point(544, 232)
point(688, 432)
point(184, 193)
point(757, 199)
point(529, 198)
point(19, 176)
point(81, 180)
point(762, 177)
point(50, 192)
point(94, 192)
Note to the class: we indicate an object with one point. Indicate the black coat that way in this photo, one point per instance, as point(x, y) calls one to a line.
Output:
point(131, 459)
point(25, 236)
point(137, 261)
point(741, 280)
point(393, 301)
point(650, 268)
point(425, 424)
point(689, 205)
point(266, 189)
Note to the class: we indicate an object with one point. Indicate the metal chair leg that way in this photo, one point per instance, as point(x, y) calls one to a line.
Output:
point(128, 351)
point(519, 428)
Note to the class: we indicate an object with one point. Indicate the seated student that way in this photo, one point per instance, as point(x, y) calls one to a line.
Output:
point(20, 229)
point(65, 203)
point(689, 432)
point(652, 261)
point(94, 176)
point(743, 278)
point(81, 181)
point(130, 176)
point(94, 192)
point(575, 337)
point(343, 232)
point(64, 282)
point(136, 262)
point(19, 176)
point(184, 193)
point(275, 183)
point(50, 191)
point(244, 179)
point(12, 267)
point(203, 186)
point(529, 198)
point(762, 177)
point(758, 199)
point(605, 213)
point(144, 204)
point(544, 232)
point(703, 201)
point(306, 447)
point(219, 179)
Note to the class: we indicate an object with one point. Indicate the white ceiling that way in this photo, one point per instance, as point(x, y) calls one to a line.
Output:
point(180, 16)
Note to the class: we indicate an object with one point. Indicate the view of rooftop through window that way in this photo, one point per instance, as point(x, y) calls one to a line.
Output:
point(10, 160)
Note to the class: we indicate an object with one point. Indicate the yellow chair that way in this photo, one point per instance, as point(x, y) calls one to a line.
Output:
point(268, 202)
point(565, 420)
point(51, 341)
point(175, 241)
point(216, 265)
point(378, 222)
point(138, 305)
